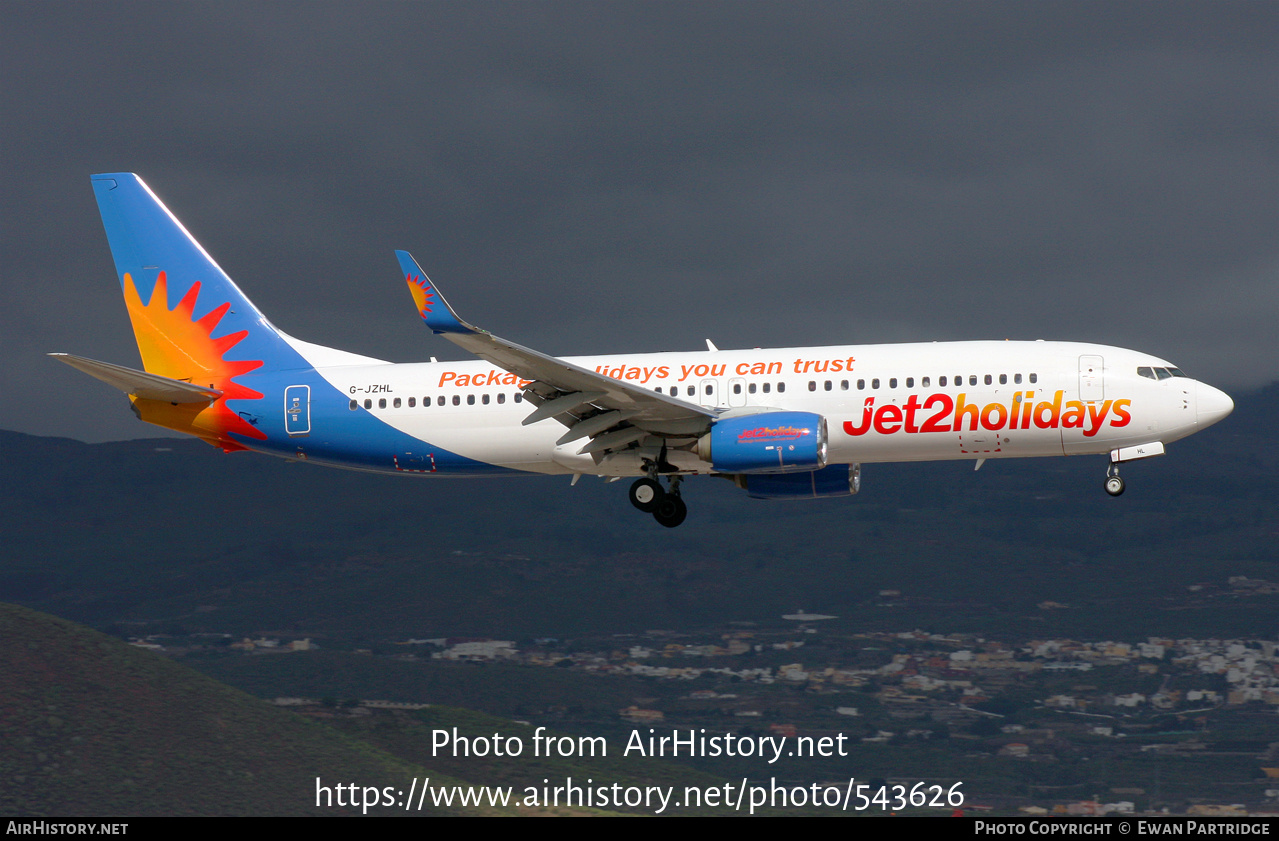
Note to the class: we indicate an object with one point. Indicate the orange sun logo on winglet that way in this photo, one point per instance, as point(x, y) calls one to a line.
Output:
point(422, 294)
point(176, 345)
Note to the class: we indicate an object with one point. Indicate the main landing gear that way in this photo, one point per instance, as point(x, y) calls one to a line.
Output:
point(666, 506)
point(1114, 484)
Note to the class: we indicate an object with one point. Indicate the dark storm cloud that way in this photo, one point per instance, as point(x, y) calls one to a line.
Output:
point(636, 176)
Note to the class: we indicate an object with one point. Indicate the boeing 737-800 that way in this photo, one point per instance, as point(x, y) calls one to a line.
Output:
point(783, 423)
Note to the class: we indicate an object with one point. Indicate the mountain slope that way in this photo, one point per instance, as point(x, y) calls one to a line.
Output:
point(93, 726)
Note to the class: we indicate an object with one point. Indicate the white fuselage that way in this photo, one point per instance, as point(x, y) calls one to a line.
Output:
point(899, 402)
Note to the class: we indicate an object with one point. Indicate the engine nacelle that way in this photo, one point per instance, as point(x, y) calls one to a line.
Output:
point(767, 442)
point(833, 481)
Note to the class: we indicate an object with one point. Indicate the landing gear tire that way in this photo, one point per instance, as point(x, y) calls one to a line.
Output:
point(670, 511)
point(1114, 485)
point(646, 495)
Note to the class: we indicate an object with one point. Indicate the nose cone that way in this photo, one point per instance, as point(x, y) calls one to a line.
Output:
point(1212, 404)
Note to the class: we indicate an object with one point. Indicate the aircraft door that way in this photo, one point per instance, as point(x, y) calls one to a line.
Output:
point(1083, 425)
point(297, 410)
point(709, 393)
point(1091, 381)
point(737, 392)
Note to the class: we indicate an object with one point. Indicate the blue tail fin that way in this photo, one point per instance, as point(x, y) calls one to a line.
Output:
point(187, 314)
point(191, 322)
point(180, 300)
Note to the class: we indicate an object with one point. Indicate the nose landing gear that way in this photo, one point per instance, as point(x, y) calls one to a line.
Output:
point(1114, 484)
point(666, 506)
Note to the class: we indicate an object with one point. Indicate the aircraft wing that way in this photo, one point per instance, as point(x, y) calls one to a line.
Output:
point(612, 413)
point(139, 383)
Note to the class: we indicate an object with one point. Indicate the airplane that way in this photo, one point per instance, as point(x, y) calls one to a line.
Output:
point(783, 423)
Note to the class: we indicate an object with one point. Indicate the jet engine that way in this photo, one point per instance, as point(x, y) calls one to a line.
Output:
point(833, 481)
point(767, 442)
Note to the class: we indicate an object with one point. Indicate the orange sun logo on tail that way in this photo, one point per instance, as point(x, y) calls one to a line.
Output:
point(422, 294)
point(176, 345)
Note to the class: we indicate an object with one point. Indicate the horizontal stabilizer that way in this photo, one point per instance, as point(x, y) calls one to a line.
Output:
point(139, 383)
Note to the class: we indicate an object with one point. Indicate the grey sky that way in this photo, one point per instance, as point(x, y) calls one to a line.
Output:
point(596, 177)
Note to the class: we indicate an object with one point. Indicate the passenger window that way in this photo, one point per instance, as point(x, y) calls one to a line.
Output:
point(972, 379)
point(439, 401)
point(470, 399)
point(485, 399)
point(1034, 378)
point(910, 382)
point(874, 383)
point(692, 392)
point(941, 382)
point(989, 380)
point(751, 388)
point(396, 404)
point(924, 382)
point(861, 385)
point(828, 385)
point(1017, 378)
point(368, 404)
point(355, 404)
point(501, 397)
point(812, 385)
point(767, 386)
point(843, 385)
point(412, 402)
point(892, 382)
point(381, 403)
point(737, 388)
point(519, 398)
point(1003, 379)
point(457, 401)
point(781, 387)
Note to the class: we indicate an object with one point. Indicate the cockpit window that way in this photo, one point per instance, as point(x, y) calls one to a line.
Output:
point(1159, 373)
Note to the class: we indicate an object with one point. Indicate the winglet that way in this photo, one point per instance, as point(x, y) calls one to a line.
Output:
point(435, 311)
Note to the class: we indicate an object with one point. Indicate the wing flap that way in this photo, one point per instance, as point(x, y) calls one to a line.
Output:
point(562, 405)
